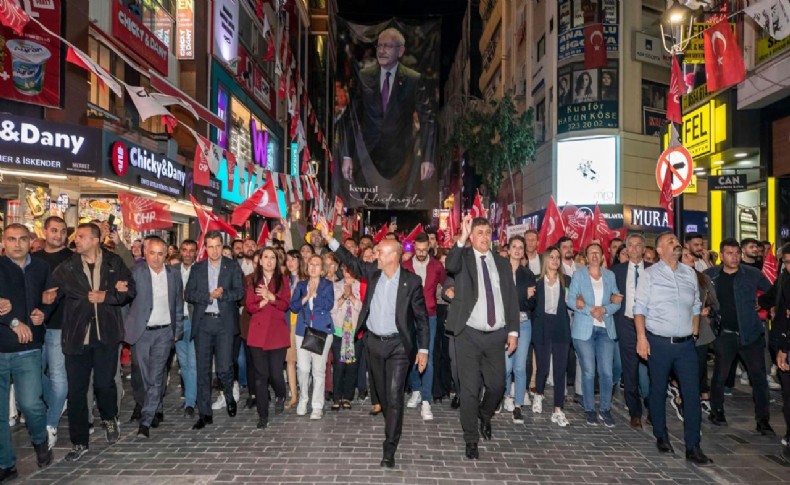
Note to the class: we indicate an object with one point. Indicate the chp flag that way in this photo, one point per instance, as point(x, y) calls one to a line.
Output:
point(144, 214)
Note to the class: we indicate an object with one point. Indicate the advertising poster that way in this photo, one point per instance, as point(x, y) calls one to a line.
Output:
point(385, 114)
point(587, 99)
point(30, 63)
point(185, 29)
point(589, 168)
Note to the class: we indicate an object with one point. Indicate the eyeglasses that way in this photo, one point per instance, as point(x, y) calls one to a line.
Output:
point(785, 261)
point(387, 46)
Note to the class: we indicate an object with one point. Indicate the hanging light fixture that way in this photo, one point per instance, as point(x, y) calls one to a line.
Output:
point(677, 23)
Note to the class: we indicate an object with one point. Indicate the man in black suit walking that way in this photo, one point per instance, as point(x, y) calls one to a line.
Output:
point(484, 318)
point(393, 312)
point(214, 288)
point(627, 276)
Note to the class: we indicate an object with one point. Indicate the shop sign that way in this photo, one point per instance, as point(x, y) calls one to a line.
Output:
point(655, 219)
point(259, 140)
point(185, 29)
point(31, 144)
point(148, 170)
point(695, 97)
point(650, 49)
point(695, 51)
point(294, 158)
point(226, 29)
point(138, 38)
point(571, 42)
point(697, 131)
point(653, 121)
point(768, 47)
point(727, 182)
point(210, 196)
point(589, 115)
point(30, 63)
point(613, 213)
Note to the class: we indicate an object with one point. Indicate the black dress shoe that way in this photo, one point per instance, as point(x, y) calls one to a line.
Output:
point(250, 403)
point(263, 423)
point(43, 454)
point(158, 418)
point(765, 429)
point(203, 421)
point(388, 462)
point(485, 429)
point(456, 402)
point(696, 456)
point(143, 431)
point(279, 405)
point(189, 411)
point(231, 408)
point(136, 414)
point(8, 473)
point(472, 452)
point(664, 446)
point(717, 418)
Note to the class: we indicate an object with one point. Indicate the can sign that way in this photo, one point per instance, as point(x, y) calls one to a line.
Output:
point(119, 158)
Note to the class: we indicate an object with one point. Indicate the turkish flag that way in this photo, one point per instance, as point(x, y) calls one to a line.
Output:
point(263, 202)
point(723, 59)
point(413, 234)
point(677, 86)
point(144, 214)
point(594, 47)
point(666, 198)
point(380, 235)
point(552, 228)
point(264, 235)
point(477, 207)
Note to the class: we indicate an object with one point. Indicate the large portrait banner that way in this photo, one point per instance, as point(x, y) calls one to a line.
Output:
point(386, 93)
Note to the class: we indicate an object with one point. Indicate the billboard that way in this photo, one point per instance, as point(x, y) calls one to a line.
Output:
point(386, 93)
point(588, 168)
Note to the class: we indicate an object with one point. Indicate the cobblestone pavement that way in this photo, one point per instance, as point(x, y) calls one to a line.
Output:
point(345, 447)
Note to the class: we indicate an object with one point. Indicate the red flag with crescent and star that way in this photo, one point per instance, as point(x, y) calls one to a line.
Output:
point(723, 59)
point(552, 229)
point(594, 47)
point(477, 207)
point(263, 201)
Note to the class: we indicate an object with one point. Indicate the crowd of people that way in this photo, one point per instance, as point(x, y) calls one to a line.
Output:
point(317, 317)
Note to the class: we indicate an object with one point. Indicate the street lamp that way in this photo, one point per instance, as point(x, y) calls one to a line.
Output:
point(677, 23)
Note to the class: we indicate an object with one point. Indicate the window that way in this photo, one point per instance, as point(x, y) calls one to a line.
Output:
point(101, 96)
point(541, 47)
point(540, 121)
point(159, 20)
point(576, 13)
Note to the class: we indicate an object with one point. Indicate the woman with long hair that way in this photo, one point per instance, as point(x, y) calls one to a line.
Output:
point(551, 331)
point(312, 301)
point(294, 273)
point(593, 332)
point(345, 350)
point(583, 91)
point(267, 300)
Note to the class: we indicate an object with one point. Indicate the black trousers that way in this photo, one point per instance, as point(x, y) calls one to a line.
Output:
point(481, 356)
point(344, 376)
point(442, 373)
point(389, 366)
point(268, 369)
point(544, 353)
point(101, 360)
point(251, 371)
point(727, 348)
point(235, 357)
point(213, 339)
point(626, 340)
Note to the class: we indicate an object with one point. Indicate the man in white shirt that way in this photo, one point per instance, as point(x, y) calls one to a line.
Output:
point(533, 258)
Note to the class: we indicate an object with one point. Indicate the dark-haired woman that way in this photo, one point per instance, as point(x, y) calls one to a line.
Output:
point(269, 336)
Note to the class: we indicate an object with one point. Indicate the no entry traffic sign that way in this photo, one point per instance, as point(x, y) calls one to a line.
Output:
point(678, 162)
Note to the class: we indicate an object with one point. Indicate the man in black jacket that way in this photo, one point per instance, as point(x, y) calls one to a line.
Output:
point(22, 284)
point(484, 318)
point(94, 284)
point(393, 313)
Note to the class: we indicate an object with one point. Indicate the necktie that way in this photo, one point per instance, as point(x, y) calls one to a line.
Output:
point(491, 313)
point(636, 275)
point(385, 92)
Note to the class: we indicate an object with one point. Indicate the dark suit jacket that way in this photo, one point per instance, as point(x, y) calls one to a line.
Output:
point(621, 277)
point(461, 264)
point(143, 304)
point(230, 279)
point(411, 316)
point(389, 136)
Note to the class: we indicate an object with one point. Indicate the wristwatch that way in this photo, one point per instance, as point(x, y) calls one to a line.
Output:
point(15, 323)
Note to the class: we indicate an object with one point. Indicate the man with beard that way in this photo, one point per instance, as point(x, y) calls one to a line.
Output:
point(696, 246)
point(237, 247)
point(431, 271)
point(666, 318)
point(568, 262)
point(752, 253)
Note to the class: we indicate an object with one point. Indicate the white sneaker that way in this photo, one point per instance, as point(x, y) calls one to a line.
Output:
point(22, 418)
point(12, 421)
point(52, 436)
point(744, 379)
point(414, 400)
point(316, 414)
point(550, 382)
point(509, 405)
point(236, 391)
point(772, 384)
point(527, 400)
point(219, 403)
point(301, 408)
point(427, 415)
point(558, 417)
point(537, 405)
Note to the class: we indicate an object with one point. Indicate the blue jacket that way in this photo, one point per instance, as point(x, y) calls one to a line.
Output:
point(583, 322)
point(747, 281)
point(320, 317)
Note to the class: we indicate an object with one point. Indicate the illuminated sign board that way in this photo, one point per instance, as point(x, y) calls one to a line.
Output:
point(697, 134)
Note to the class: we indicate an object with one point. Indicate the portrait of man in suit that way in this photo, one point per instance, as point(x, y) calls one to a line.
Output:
point(390, 135)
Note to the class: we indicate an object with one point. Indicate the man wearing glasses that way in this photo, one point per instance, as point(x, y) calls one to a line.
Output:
point(385, 102)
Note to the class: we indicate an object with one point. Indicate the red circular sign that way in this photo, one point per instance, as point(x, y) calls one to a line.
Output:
point(119, 158)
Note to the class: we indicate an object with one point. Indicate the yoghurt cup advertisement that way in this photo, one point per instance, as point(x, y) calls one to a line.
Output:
point(30, 63)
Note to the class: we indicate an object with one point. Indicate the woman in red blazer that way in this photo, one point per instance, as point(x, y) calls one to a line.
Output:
point(268, 297)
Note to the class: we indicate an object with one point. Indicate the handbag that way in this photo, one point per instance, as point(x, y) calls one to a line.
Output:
point(314, 340)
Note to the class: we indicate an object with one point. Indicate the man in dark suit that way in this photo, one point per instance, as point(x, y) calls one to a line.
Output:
point(393, 313)
point(154, 322)
point(627, 276)
point(214, 288)
point(384, 103)
point(484, 319)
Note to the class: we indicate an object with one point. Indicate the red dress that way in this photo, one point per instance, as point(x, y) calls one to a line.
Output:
point(269, 329)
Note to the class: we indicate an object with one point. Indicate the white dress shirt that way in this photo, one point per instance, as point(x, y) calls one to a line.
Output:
point(630, 287)
point(246, 266)
point(597, 286)
point(534, 264)
point(160, 312)
point(479, 317)
point(569, 270)
point(552, 299)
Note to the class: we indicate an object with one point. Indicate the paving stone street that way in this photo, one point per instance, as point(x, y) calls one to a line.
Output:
point(345, 447)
